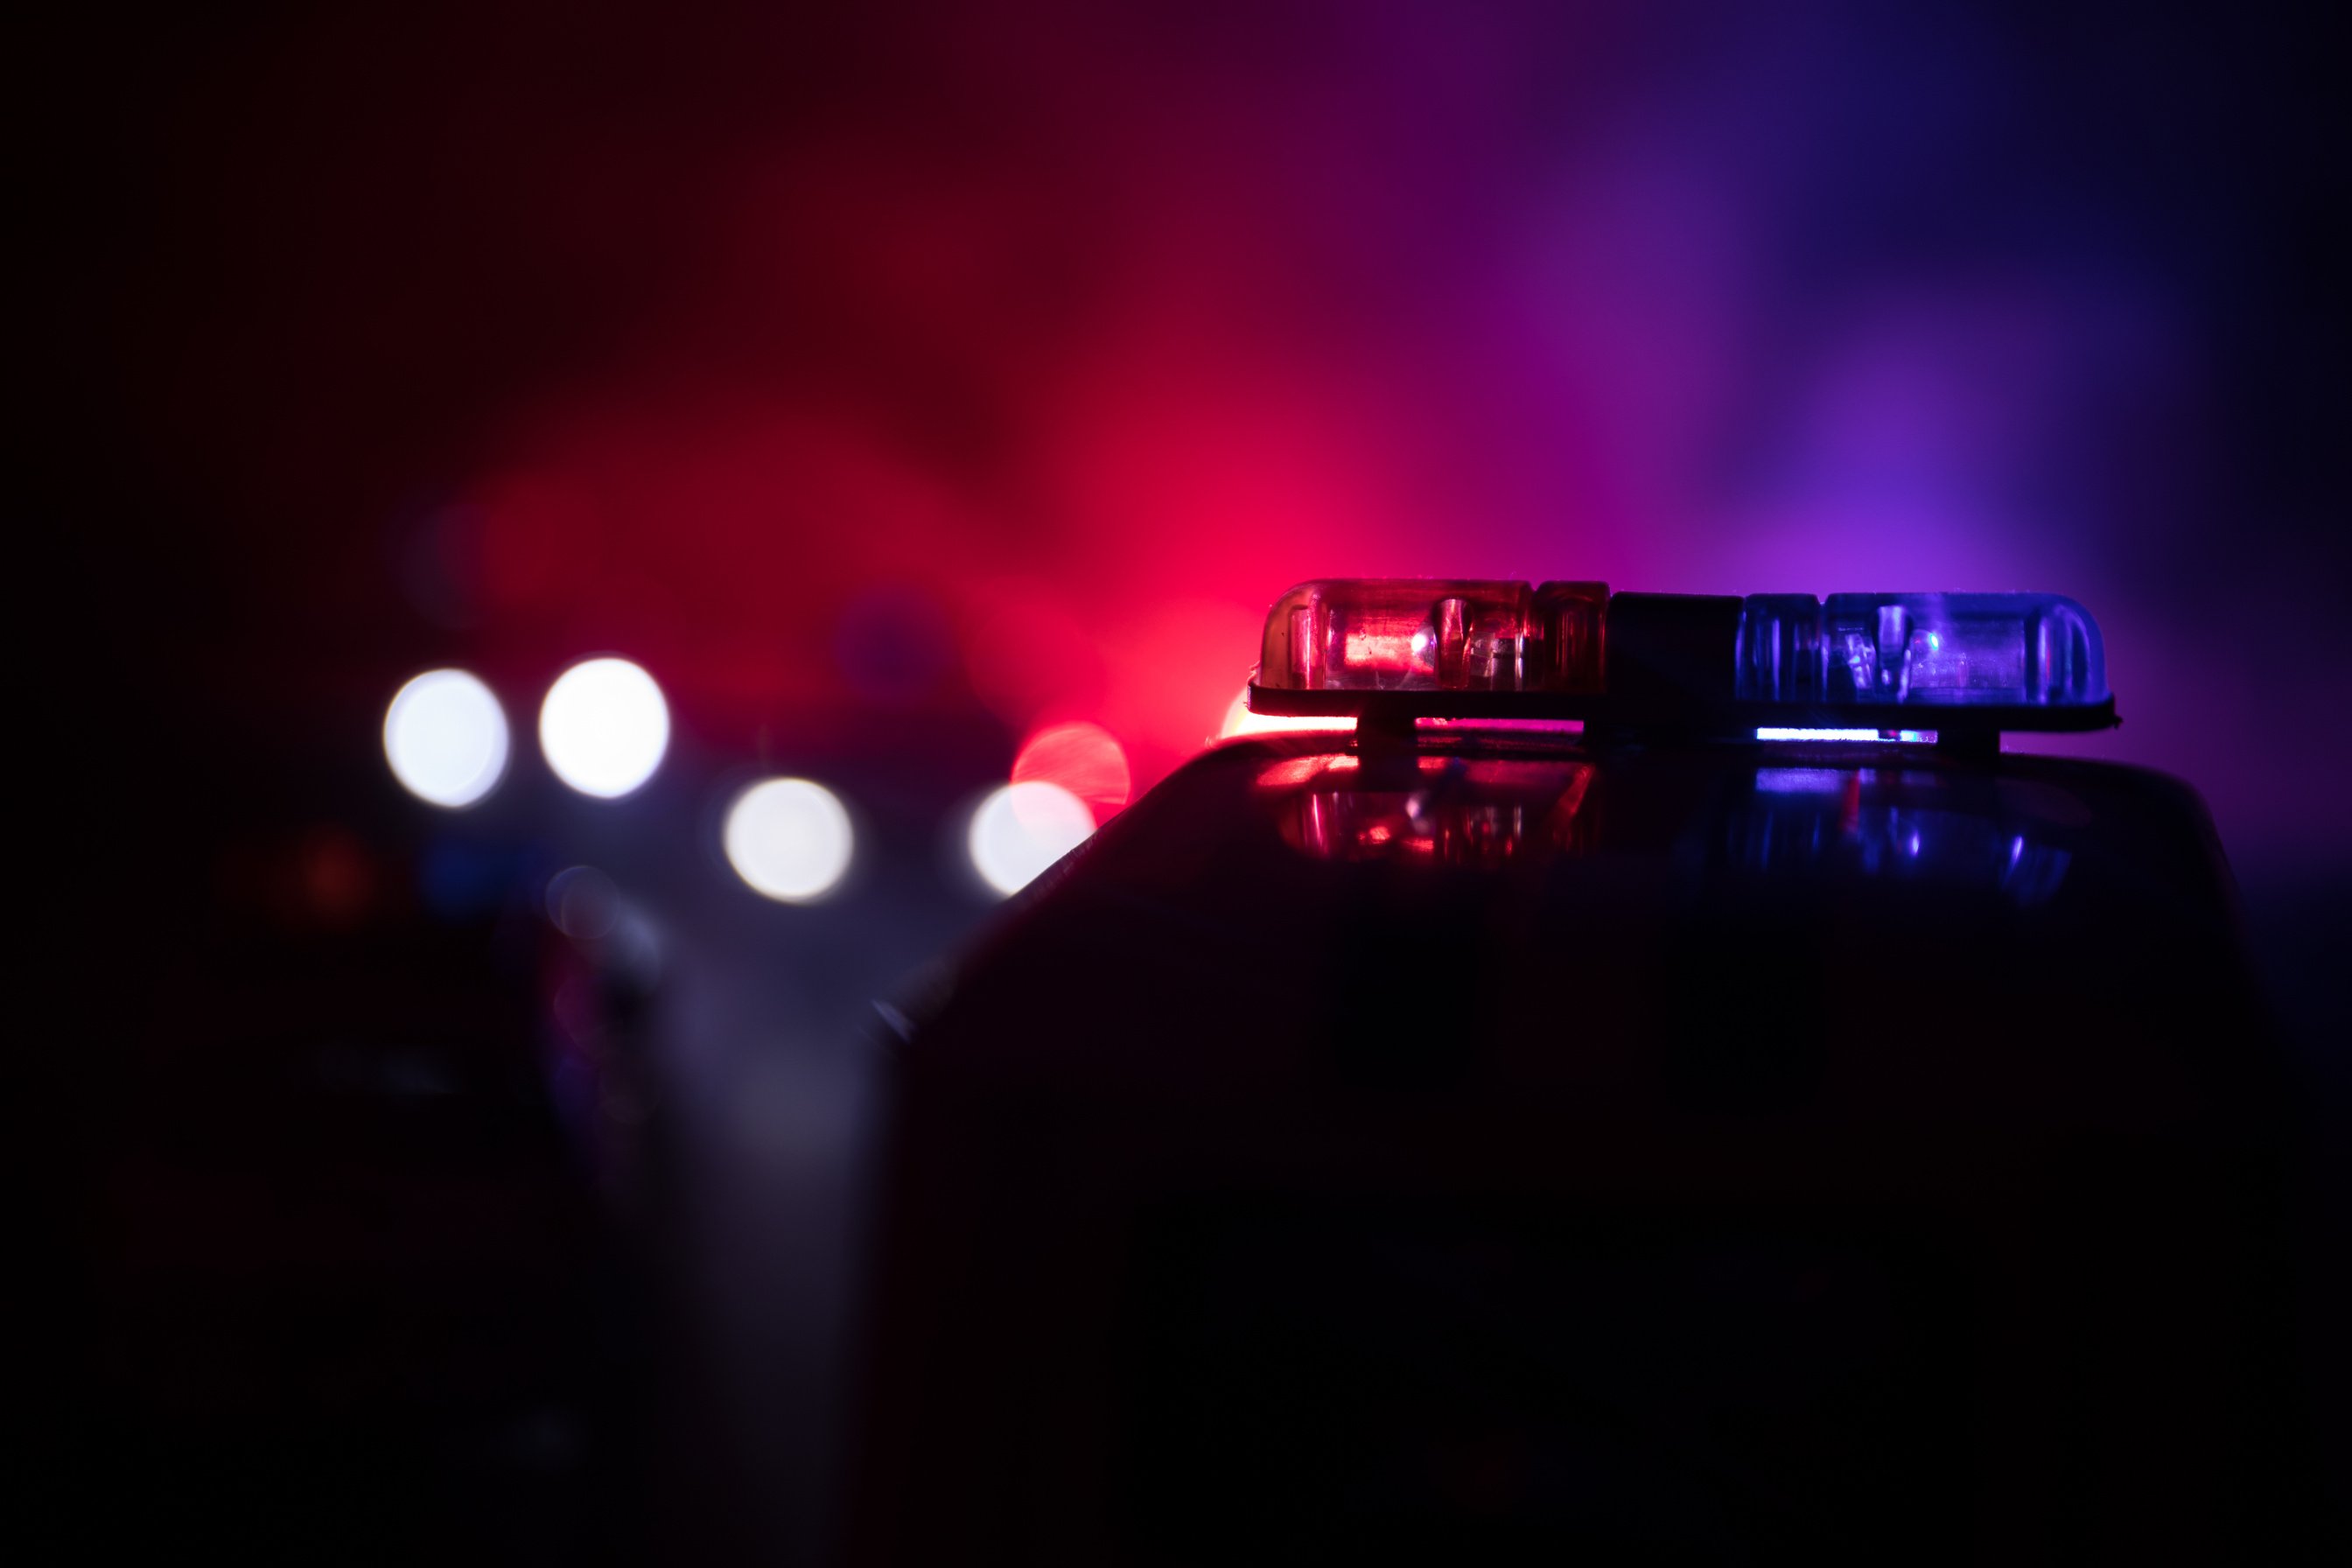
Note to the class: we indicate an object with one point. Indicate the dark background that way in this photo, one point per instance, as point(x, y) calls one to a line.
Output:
point(892, 382)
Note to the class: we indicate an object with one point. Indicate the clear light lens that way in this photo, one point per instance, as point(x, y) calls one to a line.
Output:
point(1434, 635)
point(1021, 829)
point(604, 727)
point(789, 839)
point(446, 737)
point(1938, 650)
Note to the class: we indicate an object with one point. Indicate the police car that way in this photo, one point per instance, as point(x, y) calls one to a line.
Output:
point(1661, 1084)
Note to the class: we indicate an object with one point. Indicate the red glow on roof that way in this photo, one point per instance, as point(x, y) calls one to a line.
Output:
point(1240, 720)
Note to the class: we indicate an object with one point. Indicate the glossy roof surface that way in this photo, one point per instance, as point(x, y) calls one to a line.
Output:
point(1508, 894)
point(1328, 1105)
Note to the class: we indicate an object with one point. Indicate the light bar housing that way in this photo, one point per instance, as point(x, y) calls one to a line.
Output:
point(1402, 648)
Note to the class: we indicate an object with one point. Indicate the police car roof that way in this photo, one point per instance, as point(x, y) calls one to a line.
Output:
point(1292, 906)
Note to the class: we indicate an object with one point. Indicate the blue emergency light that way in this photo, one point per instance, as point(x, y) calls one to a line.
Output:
point(1965, 666)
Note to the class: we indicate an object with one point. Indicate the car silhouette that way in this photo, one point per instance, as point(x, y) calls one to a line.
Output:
point(1551, 1122)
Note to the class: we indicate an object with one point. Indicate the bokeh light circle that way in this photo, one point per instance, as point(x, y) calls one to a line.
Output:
point(582, 903)
point(446, 737)
point(789, 839)
point(1085, 759)
point(604, 727)
point(1020, 829)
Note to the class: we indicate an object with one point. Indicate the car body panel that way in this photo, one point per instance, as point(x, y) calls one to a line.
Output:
point(1509, 1142)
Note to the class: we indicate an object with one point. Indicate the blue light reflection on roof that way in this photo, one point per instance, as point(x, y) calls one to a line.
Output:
point(1880, 823)
point(1801, 781)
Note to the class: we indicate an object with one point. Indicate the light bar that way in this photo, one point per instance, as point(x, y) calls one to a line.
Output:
point(1782, 732)
point(1399, 648)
